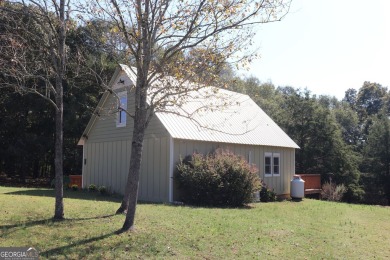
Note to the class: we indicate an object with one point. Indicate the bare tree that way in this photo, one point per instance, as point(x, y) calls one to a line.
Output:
point(161, 37)
point(33, 60)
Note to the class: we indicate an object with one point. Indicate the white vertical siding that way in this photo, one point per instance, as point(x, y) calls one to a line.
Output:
point(108, 165)
point(155, 170)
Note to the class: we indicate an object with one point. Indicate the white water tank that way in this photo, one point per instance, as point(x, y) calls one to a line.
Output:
point(297, 189)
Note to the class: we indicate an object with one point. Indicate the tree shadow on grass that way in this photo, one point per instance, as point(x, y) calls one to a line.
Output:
point(50, 221)
point(7, 229)
point(68, 194)
point(202, 206)
point(61, 251)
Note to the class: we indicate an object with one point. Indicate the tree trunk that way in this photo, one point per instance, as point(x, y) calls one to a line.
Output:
point(131, 188)
point(129, 202)
point(58, 161)
point(36, 169)
point(59, 64)
point(130, 197)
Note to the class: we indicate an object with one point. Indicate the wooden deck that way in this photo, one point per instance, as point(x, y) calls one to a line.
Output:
point(75, 180)
point(312, 183)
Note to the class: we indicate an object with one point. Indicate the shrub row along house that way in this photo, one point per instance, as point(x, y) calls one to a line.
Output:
point(201, 121)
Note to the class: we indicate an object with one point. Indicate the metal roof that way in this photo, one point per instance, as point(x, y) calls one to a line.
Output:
point(219, 115)
point(209, 114)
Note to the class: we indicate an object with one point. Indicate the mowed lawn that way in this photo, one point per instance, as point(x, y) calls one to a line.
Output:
point(309, 229)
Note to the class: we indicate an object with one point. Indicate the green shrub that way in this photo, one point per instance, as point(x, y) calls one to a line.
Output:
point(266, 194)
point(218, 179)
point(102, 190)
point(74, 187)
point(92, 187)
point(355, 194)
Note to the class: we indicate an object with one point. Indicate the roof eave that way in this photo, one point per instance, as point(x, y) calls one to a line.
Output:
point(101, 103)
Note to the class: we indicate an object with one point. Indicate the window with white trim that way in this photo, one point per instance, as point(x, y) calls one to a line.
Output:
point(122, 107)
point(276, 164)
point(271, 164)
point(267, 164)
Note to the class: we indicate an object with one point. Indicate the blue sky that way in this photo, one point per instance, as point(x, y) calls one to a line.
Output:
point(326, 46)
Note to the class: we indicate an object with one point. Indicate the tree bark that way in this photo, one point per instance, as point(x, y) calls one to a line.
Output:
point(131, 189)
point(129, 202)
point(59, 64)
point(58, 162)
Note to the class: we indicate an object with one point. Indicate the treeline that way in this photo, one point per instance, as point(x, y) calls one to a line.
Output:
point(346, 141)
point(27, 119)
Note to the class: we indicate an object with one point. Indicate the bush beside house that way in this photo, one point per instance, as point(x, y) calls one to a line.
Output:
point(217, 179)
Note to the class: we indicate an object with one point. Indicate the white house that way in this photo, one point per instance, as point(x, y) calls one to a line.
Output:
point(203, 121)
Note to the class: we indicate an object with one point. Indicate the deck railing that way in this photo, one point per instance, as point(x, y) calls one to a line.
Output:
point(312, 183)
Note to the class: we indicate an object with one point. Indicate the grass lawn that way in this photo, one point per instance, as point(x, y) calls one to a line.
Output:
point(309, 229)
